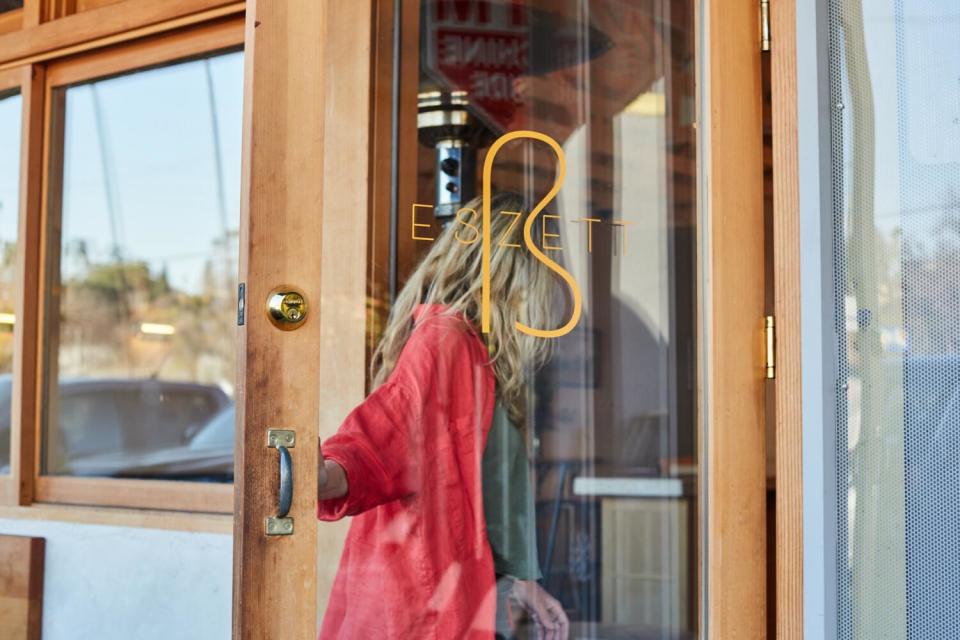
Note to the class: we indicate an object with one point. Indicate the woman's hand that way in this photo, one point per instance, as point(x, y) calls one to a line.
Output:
point(548, 616)
point(331, 478)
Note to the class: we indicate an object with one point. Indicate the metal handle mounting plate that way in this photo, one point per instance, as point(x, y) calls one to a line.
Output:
point(281, 438)
point(279, 526)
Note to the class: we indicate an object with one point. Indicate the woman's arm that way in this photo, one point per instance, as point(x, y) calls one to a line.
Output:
point(378, 453)
point(331, 479)
point(374, 455)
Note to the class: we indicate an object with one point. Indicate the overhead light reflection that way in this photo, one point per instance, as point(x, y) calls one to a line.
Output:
point(8, 318)
point(157, 329)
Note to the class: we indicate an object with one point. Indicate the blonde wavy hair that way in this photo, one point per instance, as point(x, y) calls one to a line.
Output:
point(521, 288)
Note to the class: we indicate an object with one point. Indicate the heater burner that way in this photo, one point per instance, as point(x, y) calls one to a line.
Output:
point(445, 123)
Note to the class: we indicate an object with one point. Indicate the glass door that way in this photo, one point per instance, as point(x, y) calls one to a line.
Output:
point(609, 422)
point(504, 287)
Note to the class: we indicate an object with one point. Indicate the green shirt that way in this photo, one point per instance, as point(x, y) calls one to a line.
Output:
point(508, 500)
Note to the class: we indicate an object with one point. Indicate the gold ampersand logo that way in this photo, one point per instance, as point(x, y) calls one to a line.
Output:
point(527, 236)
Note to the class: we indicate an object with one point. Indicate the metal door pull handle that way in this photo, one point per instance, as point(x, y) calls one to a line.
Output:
point(286, 482)
point(282, 440)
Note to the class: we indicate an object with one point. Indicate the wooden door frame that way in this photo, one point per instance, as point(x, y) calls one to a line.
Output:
point(314, 400)
point(786, 276)
point(732, 311)
point(304, 209)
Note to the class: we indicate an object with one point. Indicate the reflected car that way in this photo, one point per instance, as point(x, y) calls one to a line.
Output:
point(99, 417)
point(207, 457)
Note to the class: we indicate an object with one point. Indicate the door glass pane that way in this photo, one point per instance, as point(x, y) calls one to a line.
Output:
point(10, 127)
point(896, 240)
point(601, 511)
point(142, 283)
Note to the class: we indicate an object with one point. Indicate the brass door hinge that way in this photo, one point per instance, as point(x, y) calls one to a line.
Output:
point(770, 334)
point(764, 25)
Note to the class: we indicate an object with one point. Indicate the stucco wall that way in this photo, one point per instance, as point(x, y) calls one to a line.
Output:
point(117, 583)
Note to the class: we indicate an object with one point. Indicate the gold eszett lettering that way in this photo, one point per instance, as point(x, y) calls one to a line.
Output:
point(506, 234)
point(589, 222)
point(415, 224)
point(623, 235)
point(545, 234)
point(460, 220)
point(527, 236)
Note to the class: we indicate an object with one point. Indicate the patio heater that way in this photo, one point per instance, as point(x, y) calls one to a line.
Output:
point(445, 123)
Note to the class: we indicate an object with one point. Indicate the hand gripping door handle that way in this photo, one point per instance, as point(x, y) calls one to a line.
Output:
point(282, 440)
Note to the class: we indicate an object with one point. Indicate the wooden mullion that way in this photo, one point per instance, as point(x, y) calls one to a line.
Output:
point(786, 274)
point(46, 340)
point(26, 329)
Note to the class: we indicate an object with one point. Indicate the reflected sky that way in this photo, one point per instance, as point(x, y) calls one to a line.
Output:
point(140, 172)
point(10, 122)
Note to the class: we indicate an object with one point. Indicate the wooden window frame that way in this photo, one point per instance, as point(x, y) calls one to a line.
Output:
point(28, 80)
point(28, 486)
point(11, 21)
point(38, 37)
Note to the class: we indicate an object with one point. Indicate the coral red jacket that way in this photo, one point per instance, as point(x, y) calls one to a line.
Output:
point(417, 563)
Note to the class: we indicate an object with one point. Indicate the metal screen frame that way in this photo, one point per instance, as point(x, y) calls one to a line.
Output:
point(818, 340)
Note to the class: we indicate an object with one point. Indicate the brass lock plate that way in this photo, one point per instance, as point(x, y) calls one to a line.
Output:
point(286, 308)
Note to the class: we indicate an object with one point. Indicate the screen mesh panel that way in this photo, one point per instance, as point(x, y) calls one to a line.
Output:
point(895, 107)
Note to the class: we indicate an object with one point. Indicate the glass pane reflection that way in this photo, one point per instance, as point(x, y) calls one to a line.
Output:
point(613, 438)
point(10, 128)
point(611, 425)
point(140, 355)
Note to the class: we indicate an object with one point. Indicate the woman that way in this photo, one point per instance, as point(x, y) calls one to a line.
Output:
point(443, 514)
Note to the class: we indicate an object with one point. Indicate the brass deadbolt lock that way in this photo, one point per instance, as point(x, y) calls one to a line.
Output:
point(286, 308)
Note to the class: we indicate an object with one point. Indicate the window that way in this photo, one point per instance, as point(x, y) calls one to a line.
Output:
point(141, 278)
point(10, 127)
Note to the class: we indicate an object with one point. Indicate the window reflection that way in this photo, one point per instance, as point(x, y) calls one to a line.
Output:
point(142, 288)
point(613, 438)
point(10, 128)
